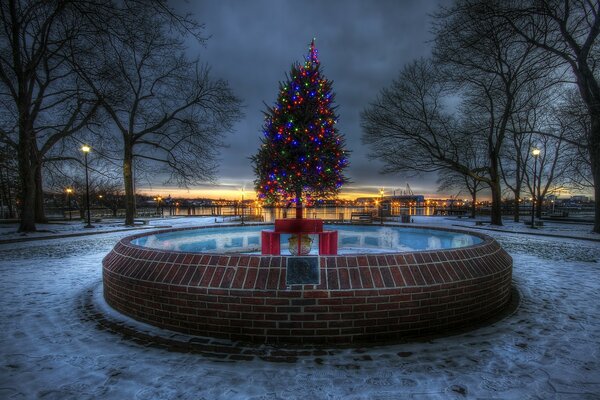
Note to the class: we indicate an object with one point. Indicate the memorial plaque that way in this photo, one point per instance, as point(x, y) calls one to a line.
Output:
point(302, 271)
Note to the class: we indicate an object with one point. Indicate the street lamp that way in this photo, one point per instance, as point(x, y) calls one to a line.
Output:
point(535, 153)
point(381, 207)
point(86, 149)
point(242, 206)
point(69, 191)
point(158, 206)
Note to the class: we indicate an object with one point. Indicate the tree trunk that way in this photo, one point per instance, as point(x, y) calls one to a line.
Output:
point(81, 205)
point(27, 177)
point(496, 216)
point(40, 214)
point(539, 201)
point(597, 198)
point(594, 150)
point(8, 193)
point(474, 204)
point(4, 185)
point(128, 181)
point(299, 203)
point(495, 178)
point(517, 206)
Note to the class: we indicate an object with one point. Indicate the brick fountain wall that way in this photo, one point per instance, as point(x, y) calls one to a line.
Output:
point(361, 298)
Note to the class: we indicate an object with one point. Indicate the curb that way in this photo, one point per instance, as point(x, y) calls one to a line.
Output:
point(559, 236)
point(68, 235)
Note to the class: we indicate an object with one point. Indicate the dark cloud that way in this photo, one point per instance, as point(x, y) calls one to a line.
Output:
point(362, 47)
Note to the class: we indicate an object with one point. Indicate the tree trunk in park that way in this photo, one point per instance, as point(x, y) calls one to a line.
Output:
point(495, 177)
point(539, 202)
point(557, 28)
point(594, 150)
point(474, 203)
point(517, 191)
point(496, 216)
point(128, 182)
point(26, 174)
point(40, 214)
point(517, 209)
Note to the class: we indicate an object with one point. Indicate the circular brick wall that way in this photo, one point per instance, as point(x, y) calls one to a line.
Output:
point(361, 298)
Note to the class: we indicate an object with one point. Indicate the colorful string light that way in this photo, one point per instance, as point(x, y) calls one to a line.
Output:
point(302, 156)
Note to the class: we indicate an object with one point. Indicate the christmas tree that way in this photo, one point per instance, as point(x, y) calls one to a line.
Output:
point(302, 155)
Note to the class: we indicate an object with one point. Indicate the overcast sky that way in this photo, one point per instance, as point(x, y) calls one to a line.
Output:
point(362, 47)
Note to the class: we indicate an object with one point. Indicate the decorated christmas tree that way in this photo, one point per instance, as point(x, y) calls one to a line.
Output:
point(302, 155)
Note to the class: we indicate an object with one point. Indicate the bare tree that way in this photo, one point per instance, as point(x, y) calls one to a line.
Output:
point(164, 106)
point(572, 118)
point(568, 30)
point(534, 107)
point(449, 180)
point(8, 182)
point(494, 70)
point(106, 188)
point(512, 166)
point(551, 169)
point(411, 128)
point(44, 100)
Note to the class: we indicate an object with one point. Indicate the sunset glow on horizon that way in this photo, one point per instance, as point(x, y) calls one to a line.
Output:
point(227, 192)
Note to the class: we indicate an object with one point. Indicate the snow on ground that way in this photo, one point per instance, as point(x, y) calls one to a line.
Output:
point(9, 231)
point(549, 348)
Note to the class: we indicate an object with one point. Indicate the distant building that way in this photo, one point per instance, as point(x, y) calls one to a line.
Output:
point(417, 199)
point(580, 199)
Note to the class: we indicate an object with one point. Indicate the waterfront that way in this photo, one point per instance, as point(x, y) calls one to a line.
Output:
point(268, 214)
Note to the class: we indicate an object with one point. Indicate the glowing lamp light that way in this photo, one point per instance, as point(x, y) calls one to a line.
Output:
point(86, 149)
point(535, 152)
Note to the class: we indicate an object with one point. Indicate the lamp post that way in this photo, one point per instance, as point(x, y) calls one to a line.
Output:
point(69, 191)
point(381, 206)
point(535, 153)
point(86, 149)
point(158, 206)
point(242, 206)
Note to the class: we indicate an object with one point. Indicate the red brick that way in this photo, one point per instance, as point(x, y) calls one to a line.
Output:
point(261, 280)
point(362, 261)
point(227, 277)
point(313, 294)
point(239, 277)
point(344, 278)
point(217, 276)
point(416, 273)
point(426, 274)
point(407, 276)
point(443, 302)
point(365, 274)
point(332, 279)
point(250, 278)
point(377, 278)
point(243, 261)
point(355, 278)
point(273, 278)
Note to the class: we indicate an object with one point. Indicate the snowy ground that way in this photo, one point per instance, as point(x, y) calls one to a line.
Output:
point(8, 231)
point(549, 348)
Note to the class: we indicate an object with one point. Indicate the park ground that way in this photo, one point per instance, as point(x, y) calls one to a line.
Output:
point(50, 348)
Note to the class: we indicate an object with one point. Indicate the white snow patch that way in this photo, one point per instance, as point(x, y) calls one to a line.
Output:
point(549, 348)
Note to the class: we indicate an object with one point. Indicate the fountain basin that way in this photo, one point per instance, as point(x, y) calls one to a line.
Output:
point(360, 297)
